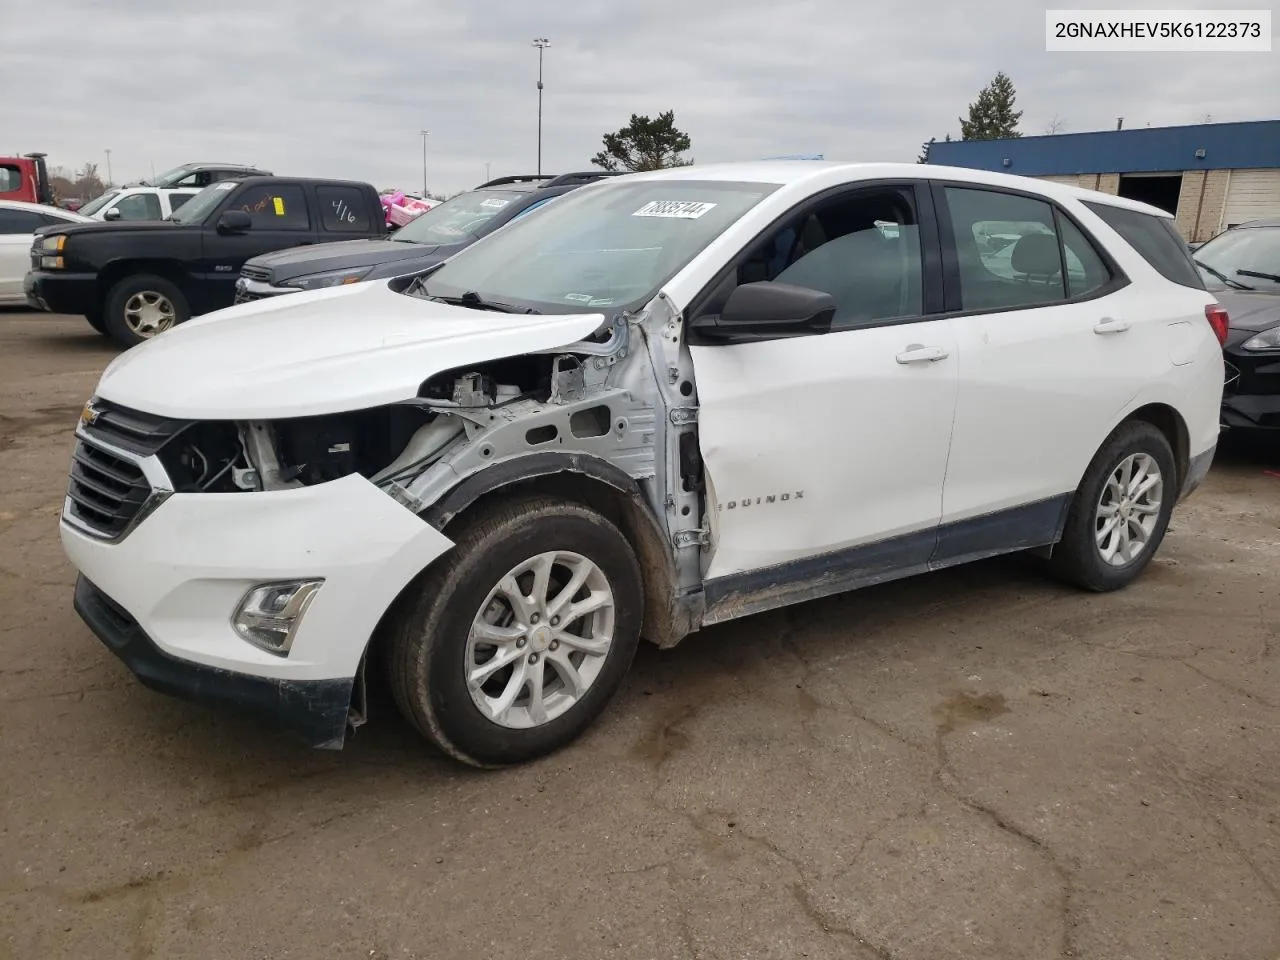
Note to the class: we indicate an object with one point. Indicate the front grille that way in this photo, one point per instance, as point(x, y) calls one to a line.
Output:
point(1231, 377)
point(131, 430)
point(250, 272)
point(244, 296)
point(105, 492)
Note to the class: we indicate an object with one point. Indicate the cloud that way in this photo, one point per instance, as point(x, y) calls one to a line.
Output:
point(343, 91)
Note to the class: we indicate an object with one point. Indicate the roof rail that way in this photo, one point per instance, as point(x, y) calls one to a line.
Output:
point(518, 178)
point(585, 176)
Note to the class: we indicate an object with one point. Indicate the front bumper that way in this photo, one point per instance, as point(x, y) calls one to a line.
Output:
point(1251, 395)
point(174, 582)
point(74, 293)
point(315, 710)
point(1251, 411)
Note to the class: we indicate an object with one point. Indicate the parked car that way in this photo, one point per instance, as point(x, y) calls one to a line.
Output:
point(19, 222)
point(428, 239)
point(137, 203)
point(201, 175)
point(667, 400)
point(1242, 267)
point(135, 280)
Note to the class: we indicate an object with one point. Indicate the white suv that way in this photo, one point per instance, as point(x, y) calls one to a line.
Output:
point(138, 203)
point(670, 400)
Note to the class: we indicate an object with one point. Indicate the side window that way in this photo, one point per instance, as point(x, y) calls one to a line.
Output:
point(343, 210)
point(862, 248)
point(1007, 250)
point(1086, 271)
point(139, 206)
point(19, 222)
point(530, 208)
point(1156, 239)
point(274, 207)
point(10, 178)
point(176, 200)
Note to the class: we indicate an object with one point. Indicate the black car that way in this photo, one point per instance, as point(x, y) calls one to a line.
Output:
point(132, 280)
point(425, 241)
point(1242, 269)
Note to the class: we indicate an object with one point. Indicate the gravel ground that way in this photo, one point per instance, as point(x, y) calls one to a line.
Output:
point(974, 764)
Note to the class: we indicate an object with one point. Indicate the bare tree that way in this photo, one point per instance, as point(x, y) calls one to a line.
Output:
point(1054, 126)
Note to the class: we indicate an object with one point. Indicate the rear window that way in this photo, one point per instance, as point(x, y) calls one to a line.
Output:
point(343, 210)
point(1156, 238)
point(10, 178)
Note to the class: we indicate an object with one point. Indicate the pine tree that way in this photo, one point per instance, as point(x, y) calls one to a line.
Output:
point(991, 116)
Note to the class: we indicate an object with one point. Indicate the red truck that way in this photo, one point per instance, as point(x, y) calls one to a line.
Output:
point(25, 178)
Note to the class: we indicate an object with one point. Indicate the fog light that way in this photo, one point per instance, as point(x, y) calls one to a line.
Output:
point(51, 263)
point(270, 613)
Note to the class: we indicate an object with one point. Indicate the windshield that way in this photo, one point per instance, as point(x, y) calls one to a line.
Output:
point(604, 246)
point(170, 177)
point(457, 219)
point(203, 203)
point(93, 206)
point(1253, 249)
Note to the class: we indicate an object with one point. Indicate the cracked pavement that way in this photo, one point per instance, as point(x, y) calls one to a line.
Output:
point(975, 764)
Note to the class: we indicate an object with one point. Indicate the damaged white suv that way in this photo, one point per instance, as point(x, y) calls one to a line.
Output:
point(666, 401)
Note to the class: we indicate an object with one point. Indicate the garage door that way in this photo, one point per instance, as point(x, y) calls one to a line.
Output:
point(1251, 194)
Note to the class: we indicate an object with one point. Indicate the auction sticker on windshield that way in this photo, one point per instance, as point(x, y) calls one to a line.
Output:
point(493, 202)
point(676, 209)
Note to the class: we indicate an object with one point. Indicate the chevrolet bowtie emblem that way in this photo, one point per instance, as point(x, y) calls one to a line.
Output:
point(89, 415)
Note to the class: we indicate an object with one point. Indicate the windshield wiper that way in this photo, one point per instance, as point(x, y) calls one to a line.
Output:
point(476, 302)
point(1261, 276)
point(1222, 276)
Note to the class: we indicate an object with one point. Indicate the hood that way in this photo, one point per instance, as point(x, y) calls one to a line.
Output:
point(1253, 312)
point(324, 351)
point(90, 225)
point(342, 255)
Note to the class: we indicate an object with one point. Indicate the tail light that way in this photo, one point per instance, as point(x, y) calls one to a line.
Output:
point(1216, 314)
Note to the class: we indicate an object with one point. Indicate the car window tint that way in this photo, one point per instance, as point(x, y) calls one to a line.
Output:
point(176, 200)
point(1086, 270)
point(10, 178)
point(138, 206)
point(1007, 250)
point(1156, 239)
point(274, 207)
point(861, 248)
point(343, 210)
point(19, 222)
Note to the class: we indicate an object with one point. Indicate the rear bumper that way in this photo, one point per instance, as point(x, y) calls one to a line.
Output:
point(315, 710)
point(74, 293)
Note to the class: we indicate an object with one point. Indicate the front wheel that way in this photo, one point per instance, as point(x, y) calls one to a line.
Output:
point(141, 307)
point(514, 645)
point(1121, 511)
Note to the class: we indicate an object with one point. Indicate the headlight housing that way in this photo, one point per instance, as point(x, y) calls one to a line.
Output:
point(54, 243)
point(1266, 340)
point(269, 614)
point(331, 278)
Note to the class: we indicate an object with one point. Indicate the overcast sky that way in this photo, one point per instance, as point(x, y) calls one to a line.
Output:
point(324, 88)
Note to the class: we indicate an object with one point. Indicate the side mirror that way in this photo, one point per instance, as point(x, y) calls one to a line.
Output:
point(767, 310)
point(112, 214)
point(234, 221)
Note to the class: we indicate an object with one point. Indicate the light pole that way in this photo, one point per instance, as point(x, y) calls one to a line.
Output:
point(486, 172)
point(541, 43)
point(108, 153)
point(424, 162)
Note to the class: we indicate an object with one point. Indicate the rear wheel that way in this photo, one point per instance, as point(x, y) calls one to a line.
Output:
point(1121, 511)
point(514, 645)
point(141, 306)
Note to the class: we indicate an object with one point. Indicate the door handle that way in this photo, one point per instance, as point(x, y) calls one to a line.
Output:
point(918, 353)
point(1110, 325)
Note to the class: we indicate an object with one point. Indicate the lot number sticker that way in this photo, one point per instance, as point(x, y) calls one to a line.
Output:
point(278, 202)
point(494, 203)
point(674, 209)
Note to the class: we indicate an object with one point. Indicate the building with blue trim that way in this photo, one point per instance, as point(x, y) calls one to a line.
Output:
point(1211, 176)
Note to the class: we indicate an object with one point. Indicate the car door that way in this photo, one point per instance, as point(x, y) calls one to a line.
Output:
point(825, 454)
point(1046, 364)
point(279, 218)
point(17, 229)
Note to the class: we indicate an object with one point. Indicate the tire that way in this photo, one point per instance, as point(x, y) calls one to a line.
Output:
point(1079, 558)
point(431, 646)
point(136, 308)
point(95, 320)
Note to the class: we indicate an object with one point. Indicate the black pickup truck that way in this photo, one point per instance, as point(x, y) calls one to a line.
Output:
point(134, 280)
